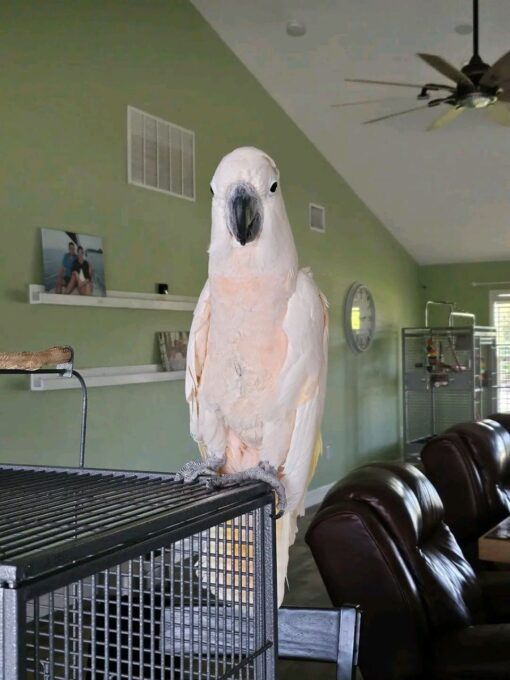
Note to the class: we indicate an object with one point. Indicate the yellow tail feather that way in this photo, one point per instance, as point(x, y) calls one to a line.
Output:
point(317, 450)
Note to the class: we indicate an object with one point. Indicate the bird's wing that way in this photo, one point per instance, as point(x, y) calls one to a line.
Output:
point(197, 351)
point(303, 383)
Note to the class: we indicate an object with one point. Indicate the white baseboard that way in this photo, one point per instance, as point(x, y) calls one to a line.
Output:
point(316, 496)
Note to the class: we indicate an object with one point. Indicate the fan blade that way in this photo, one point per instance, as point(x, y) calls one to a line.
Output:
point(392, 115)
point(382, 82)
point(446, 69)
point(446, 117)
point(499, 113)
point(367, 101)
point(498, 73)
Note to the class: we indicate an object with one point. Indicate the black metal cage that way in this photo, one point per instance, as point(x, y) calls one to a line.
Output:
point(110, 575)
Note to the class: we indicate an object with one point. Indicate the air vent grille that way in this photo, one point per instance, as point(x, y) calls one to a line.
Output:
point(161, 155)
point(317, 217)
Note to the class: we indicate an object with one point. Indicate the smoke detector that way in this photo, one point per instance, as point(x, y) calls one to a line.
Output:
point(296, 28)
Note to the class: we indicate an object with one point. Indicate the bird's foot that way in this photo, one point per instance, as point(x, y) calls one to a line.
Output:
point(199, 468)
point(263, 472)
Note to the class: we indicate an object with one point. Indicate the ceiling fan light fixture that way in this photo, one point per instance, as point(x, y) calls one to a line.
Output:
point(477, 100)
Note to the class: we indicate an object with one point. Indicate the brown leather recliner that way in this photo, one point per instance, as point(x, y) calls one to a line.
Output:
point(379, 540)
point(502, 419)
point(469, 464)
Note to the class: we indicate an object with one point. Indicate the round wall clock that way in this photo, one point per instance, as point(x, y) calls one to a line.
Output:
point(359, 317)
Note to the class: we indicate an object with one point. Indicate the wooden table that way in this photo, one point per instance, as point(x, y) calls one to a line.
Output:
point(494, 546)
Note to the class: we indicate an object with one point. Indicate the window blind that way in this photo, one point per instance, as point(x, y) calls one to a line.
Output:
point(501, 319)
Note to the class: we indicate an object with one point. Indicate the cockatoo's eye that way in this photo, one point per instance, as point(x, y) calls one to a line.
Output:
point(211, 190)
point(273, 187)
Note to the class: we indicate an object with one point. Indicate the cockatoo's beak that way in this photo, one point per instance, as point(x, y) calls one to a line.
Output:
point(245, 213)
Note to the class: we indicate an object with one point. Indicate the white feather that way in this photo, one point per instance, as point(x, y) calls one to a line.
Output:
point(303, 386)
point(196, 353)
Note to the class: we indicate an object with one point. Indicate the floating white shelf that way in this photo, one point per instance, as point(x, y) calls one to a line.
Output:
point(115, 298)
point(103, 377)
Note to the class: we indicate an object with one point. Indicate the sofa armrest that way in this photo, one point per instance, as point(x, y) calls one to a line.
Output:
point(495, 587)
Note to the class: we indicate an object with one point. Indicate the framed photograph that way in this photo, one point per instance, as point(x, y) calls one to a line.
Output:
point(73, 263)
point(173, 346)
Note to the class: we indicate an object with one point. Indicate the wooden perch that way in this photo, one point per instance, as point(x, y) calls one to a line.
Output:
point(31, 361)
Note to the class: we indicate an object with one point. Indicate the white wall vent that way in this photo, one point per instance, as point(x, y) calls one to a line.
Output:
point(161, 155)
point(317, 217)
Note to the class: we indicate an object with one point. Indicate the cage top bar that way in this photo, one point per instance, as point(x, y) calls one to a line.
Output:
point(449, 330)
point(52, 517)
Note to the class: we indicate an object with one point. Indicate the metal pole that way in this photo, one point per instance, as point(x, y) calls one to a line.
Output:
point(475, 27)
point(405, 395)
point(64, 373)
point(84, 410)
point(13, 632)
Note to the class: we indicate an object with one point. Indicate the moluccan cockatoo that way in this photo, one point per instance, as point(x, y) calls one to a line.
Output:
point(257, 352)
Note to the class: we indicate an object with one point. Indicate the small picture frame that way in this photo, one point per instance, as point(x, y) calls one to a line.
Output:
point(173, 346)
point(73, 263)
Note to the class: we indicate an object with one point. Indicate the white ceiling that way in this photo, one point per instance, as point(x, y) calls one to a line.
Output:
point(443, 194)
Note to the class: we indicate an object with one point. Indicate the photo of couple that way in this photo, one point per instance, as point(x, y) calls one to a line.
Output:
point(73, 263)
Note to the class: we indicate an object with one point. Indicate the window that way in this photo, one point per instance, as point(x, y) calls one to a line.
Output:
point(161, 156)
point(500, 318)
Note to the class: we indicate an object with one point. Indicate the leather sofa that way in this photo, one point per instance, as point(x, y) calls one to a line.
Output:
point(379, 539)
point(502, 419)
point(469, 464)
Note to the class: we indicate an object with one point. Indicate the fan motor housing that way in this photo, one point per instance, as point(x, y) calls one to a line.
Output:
point(475, 69)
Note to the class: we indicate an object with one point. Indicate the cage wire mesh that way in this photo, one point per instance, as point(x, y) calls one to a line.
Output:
point(113, 576)
point(451, 375)
point(503, 378)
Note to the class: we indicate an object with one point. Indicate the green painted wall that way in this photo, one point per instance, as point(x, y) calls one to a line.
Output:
point(69, 72)
point(454, 283)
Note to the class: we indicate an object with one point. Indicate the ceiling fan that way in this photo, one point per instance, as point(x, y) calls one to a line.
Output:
point(477, 86)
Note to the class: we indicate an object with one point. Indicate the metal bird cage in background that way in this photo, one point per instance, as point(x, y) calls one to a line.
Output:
point(450, 375)
point(503, 378)
point(120, 576)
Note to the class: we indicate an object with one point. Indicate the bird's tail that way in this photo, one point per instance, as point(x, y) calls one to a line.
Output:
point(286, 529)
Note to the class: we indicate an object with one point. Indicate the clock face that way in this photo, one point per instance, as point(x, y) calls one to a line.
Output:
point(359, 317)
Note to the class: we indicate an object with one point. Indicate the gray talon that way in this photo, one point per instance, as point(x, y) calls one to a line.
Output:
point(194, 469)
point(263, 472)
